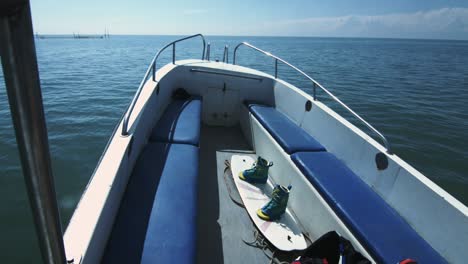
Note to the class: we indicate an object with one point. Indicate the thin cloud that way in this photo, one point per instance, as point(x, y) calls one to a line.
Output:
point(451, 23)
point(194, 11)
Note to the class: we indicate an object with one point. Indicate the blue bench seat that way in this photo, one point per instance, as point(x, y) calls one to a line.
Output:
point(289, 136)
point(381, 230)
point(180, 123)
point(156, 221)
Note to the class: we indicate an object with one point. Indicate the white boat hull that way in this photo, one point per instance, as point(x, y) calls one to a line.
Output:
point(436, 216)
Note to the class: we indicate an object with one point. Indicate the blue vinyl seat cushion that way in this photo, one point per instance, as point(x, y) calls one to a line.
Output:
point(156, 221)
point(180, 123)
point(387, 236)
point(289, 136)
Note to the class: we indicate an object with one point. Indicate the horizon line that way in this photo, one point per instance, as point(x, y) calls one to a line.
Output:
point(266, 36)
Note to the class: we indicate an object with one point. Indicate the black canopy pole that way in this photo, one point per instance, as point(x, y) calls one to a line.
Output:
point(19, 62)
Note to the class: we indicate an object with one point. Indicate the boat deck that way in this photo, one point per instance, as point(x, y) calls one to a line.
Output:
point(222, 224)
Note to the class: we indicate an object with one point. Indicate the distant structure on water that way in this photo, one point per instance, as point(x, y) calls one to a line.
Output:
point(75, 36)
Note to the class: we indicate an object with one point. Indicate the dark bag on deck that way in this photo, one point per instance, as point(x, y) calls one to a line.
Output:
point(328, 249)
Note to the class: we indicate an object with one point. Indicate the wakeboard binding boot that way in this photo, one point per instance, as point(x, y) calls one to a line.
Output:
point(276, 207)
point(258, 173)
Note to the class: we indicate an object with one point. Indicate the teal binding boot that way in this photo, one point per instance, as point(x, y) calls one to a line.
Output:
point(276, 207)
point(258, 173)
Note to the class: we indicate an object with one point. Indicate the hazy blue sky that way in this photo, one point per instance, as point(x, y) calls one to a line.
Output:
point(335, 18)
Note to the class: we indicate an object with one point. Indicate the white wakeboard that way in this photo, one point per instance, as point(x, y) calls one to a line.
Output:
point(283, 233)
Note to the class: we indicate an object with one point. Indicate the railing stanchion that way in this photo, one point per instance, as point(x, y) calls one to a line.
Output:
point(208, 50)
point(154, 71)
point(276, 68)
point(173, 53)
point(315, 92)
point(226, 54)
point(204, 47)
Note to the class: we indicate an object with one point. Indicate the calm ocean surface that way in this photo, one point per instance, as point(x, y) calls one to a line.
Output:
point(414, 91)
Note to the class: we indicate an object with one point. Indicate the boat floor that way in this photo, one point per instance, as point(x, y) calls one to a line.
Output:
point(222, 224)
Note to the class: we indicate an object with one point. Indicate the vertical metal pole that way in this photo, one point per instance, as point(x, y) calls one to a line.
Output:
point(276, 68)
point(154, 69)
point(204, 47)
point(173, 53)
point(227, 54)
point(208, 51)
point(315, 88)
point(18, 55)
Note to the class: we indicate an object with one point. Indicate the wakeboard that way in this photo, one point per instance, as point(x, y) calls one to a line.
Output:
point(283, 233)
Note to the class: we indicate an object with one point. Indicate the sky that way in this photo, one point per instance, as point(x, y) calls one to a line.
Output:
point(433, 19)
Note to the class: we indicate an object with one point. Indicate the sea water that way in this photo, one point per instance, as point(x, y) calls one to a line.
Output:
point(414, 91)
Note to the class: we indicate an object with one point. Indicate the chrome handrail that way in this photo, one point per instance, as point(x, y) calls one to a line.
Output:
point(315, 84)
point(173, 51)
point(152, 67)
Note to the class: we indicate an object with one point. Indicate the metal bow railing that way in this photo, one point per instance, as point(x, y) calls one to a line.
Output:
point(152, 67)
point(315, 85)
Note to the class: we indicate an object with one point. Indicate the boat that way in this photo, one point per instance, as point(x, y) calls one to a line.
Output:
point(159, 192)
point(343, 179)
